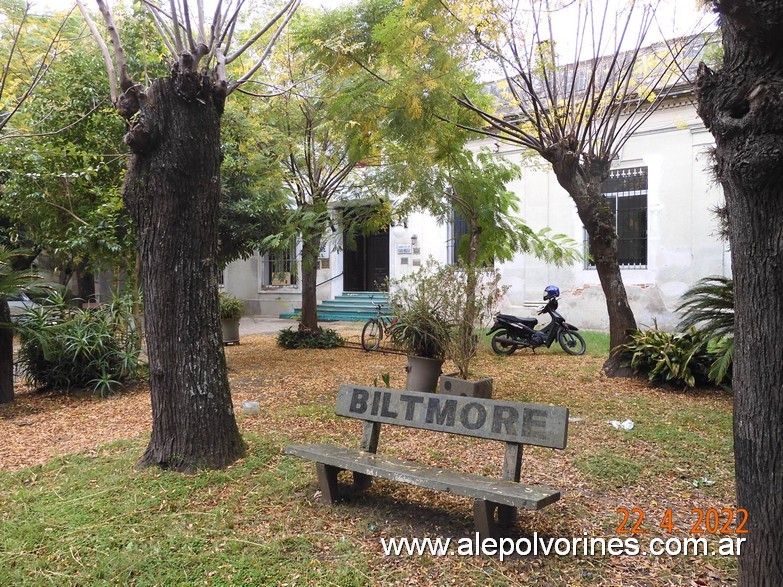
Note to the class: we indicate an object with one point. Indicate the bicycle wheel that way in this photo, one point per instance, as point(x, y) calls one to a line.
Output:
point(572, 342)
point(372, 333)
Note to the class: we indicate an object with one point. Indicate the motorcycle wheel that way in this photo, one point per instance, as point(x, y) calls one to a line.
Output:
point(572, 342)
point(502, 348)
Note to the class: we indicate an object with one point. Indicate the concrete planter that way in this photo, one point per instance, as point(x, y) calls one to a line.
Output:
point(423, 373)
point(229, 327)
point(452, 385)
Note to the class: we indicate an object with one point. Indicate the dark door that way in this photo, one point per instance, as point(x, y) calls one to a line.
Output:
point(367, 267)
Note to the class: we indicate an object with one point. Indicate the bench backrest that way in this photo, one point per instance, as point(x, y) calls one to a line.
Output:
point(506, 421)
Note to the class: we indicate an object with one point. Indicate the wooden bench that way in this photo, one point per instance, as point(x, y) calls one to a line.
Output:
point(515, 424)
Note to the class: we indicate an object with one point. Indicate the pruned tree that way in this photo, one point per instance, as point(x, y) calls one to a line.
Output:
point(172, 189)
point(741, 104)
point(576, 99)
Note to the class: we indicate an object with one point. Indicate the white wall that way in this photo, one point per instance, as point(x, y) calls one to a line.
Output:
point(683, 245)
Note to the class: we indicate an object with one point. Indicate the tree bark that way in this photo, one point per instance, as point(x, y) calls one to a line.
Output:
point(172, 188)
point(311, 248)
point(741, 105)
point(85, 284)
point(584, 187)
point(6, 355)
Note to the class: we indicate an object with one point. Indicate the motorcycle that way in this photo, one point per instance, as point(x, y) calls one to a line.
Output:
point(511, 332)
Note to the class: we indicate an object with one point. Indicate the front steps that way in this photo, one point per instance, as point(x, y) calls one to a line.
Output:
point(350, 306)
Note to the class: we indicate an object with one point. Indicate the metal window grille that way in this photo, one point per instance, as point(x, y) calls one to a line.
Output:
point(457, 229)
point(280, 268)
point(625, 191)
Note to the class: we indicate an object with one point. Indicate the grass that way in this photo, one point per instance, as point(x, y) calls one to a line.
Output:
point(92, 519)
point(89, 521)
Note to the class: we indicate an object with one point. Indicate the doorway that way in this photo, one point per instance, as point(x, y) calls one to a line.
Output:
point(366, 267)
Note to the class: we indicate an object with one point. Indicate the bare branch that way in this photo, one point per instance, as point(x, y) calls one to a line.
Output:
point(14, 47)
point(39, 73)
point(107, 60)
point(126, 82)
point(54, 132)
point(165, 33)
point(289, 9)
point(175, 23)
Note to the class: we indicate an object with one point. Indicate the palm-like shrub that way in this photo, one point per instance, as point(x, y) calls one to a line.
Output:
point(709, 307)
point(64, 347)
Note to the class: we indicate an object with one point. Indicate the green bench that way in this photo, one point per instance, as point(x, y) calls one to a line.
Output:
point(515, 424)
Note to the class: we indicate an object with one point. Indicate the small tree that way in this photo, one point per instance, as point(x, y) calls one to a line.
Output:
point(326, 123)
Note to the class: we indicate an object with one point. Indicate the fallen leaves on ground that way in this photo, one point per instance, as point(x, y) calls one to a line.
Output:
point(296, 391)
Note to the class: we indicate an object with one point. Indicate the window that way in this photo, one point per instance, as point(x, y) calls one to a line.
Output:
point(280, 268)
point(457, 229)
point(626, 193)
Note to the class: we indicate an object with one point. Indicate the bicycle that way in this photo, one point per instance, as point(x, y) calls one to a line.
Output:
point(375, 328)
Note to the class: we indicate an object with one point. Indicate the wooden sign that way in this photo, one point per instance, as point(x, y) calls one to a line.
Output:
point(535, 424)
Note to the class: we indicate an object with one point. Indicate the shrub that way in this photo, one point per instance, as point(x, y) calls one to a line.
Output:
point(422, 326)
point(678, 358)
point(322, 338)
point(709, 306)
point(230, 306)
point(64, 347)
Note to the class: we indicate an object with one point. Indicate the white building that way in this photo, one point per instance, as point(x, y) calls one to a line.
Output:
point(664, 194)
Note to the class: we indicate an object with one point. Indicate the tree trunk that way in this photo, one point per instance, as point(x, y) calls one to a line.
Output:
point(172, 188)
point(85, 284)
point(311, 248)
point(621, 318)
point(584, 187)
point(741, 105)
point(6, 356)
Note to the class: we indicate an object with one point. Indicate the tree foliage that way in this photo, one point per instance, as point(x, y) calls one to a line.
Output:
point(64, 169)
point(575, 101)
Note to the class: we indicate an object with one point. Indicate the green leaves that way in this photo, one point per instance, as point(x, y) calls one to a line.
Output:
point(679, 358)
point(709, 306)
point(63, 346)
point(13, 281)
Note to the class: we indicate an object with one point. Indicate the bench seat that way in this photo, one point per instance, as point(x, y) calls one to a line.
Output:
point(496, 491)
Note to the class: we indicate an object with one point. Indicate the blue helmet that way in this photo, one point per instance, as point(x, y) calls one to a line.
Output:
point(551, 291)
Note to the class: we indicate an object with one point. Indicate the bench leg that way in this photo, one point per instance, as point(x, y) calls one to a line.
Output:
point(484, 517)
point(327, 479)
point(361, 481)
point(507, 515)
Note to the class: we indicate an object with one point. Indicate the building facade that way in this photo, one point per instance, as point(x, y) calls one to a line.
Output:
point(661, 189)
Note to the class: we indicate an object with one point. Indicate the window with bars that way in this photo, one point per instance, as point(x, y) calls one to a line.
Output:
point(280, 268)
point(625, 191)
point(457, 229)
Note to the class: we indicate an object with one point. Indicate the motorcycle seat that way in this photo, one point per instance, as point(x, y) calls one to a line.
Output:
point(526, 321)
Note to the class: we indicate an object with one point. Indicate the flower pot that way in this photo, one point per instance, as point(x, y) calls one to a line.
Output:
point(229, 328)
point(452, 385)
point(423, 373)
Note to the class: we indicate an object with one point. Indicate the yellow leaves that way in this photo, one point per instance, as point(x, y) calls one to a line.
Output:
point(415, 107)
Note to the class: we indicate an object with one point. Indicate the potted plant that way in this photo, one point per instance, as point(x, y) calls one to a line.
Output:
point(471, 296)
point(230, 312)
point(420, 328)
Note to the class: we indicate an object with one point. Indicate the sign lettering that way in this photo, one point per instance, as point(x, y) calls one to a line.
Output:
point(501, 420)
